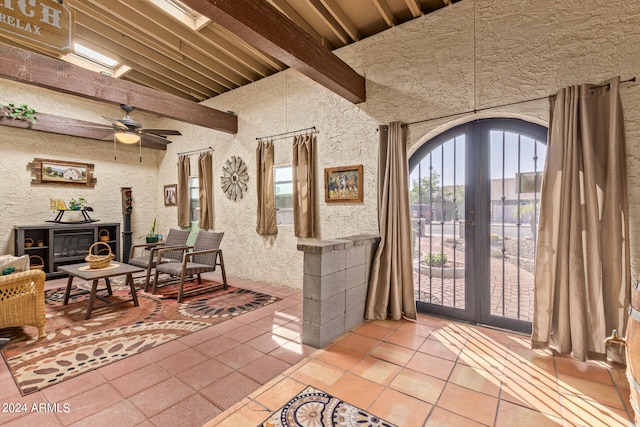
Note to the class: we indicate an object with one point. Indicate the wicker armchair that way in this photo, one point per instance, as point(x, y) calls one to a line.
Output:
point(22, 300)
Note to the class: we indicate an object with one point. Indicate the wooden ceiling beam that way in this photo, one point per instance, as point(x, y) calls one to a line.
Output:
point(73, 127)
point(150, 78)
point(232, 47)
point(146, 56)
point(261, 56)
point(385, 11)
point(123, 19)
point(293, 14)
point(159, 70)
point(263, 26)
point(342, 19)
point(325, 16)
point(160, 29)
point(414, 7)
point(39, 70)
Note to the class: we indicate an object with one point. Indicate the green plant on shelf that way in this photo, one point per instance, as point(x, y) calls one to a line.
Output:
point(19, 112)
point(76, 205)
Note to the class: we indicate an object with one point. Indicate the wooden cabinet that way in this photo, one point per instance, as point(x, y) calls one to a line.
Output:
point(52, 245)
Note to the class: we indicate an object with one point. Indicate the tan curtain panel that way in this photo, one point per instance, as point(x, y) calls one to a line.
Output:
point(266, 223)
point(303, 186)
point(184, 170)
point(205, 194)
point(391, 293)
point(582, 274)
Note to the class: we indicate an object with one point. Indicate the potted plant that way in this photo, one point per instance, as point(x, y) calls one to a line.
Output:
point(152, 237)
point(76, 205)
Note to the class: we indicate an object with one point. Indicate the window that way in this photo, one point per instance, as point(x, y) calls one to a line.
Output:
point(194, 199)
point(182, 13)
point(283, 189)
point(92, 55)
point(91, 60)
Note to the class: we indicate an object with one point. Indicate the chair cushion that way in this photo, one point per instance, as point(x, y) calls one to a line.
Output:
point(141, 261)
point(175, 268)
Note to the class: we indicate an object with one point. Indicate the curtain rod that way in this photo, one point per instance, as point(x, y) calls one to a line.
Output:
point(202, 150)
point(287, 134)
point(631, 80)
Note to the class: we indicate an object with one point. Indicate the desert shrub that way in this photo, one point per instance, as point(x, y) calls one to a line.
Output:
point(436, 260)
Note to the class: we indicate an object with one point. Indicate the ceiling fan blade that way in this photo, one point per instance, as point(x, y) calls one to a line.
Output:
point(115, 123)
point(155, 139)
point(160, 131)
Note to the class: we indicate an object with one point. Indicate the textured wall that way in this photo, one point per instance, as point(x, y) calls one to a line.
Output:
point(281, 103)
point(29, 204)
point(472, 55)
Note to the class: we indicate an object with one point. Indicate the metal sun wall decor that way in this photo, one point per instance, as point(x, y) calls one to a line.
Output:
point(234, 178)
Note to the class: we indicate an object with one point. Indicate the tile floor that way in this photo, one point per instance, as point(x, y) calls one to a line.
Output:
point(434, 372)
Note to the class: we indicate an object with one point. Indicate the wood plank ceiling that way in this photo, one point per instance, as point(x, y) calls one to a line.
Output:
point(198, 63)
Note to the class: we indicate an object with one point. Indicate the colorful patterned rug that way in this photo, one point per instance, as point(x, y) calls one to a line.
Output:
point(315, 408)
point(74, 345)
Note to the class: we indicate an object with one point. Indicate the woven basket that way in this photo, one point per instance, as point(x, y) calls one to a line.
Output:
point(103, 235)
point(39, 265)
point(99, 261)
point(28, 242)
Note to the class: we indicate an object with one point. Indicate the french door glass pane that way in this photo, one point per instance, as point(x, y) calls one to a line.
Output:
point(516, 176)
point(437, 206)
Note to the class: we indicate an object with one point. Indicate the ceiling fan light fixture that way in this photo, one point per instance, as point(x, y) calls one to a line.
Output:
point(127, 137)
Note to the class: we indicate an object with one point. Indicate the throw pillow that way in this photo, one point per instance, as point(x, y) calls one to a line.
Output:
point(20, 263)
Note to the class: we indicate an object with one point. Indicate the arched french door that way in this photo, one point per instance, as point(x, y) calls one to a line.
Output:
point(474, 195)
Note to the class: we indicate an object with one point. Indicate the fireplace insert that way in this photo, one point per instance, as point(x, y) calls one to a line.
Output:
point(70, 244)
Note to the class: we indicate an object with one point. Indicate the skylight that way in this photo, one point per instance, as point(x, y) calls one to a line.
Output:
point(94, 56)
point(182, 13)
point(91, 60)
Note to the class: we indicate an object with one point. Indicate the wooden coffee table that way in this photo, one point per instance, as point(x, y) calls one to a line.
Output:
point(82, 271)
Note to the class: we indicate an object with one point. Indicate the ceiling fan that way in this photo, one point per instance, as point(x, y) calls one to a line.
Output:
point(129, 131)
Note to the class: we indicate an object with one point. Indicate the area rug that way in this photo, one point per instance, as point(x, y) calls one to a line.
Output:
point(74, 345)
point(315, 408)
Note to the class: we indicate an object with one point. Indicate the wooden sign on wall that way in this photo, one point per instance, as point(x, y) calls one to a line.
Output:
point(44, 23)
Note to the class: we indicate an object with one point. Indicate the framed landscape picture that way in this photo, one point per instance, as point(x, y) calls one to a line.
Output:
point(67, 172)
point(343, 184)
point(61, 172)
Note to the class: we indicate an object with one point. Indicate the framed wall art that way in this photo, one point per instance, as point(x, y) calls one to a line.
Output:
point(170, 194)
point(343, 184)
point(62, 172)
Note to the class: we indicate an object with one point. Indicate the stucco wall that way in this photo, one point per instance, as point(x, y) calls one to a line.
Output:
point(467, 57)
point(25, 204)
point(281, 103)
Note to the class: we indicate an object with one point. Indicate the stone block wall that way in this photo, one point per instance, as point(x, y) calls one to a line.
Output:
point(335, 283)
